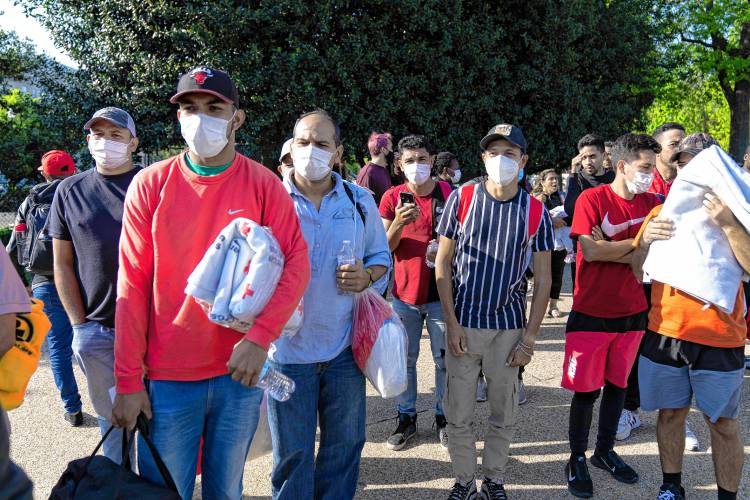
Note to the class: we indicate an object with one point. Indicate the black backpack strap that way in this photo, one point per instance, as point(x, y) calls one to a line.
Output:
point(438, 203)
point(350, 194)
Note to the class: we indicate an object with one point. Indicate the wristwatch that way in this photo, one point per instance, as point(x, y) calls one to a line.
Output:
point(369, 272)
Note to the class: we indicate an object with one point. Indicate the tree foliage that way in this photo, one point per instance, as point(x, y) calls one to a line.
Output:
point(450, 70)
point(17, 56)
point(712, 43)
point(25, 136)
point(696, 103)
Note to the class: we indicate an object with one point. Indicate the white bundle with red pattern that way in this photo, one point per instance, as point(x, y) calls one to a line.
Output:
point(238, 274)
point(379, 343)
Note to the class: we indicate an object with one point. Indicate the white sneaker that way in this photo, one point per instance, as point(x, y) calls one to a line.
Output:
point(629, 421)
point(522, 400)
point(691, 441)
point(481, 390)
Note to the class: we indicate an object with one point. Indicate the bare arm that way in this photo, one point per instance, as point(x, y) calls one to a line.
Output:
point(658, 228)
point(405, 215)
point(540, 298)
point(67, 282)
point(605, 251)
point(739, 239)
point(7, 332)
point(393, 232)
point(444, 278)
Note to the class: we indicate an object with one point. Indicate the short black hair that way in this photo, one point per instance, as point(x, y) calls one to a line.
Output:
point(629, 146)
point(324, 114)
point(591, 140)
point(443, 161)
point(665, 127)
point(414, 142)
point(747, 150)
point(609, 144)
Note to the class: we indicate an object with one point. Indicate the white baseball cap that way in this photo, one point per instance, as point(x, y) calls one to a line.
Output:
point(286, 149)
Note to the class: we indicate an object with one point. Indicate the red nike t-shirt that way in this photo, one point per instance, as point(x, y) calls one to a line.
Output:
point(608, 289)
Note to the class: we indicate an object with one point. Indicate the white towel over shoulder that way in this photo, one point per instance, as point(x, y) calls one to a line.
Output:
point(698, 259)
point(238, 274)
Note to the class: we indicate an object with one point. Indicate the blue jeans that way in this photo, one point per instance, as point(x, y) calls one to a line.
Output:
point(334, 392)
point(59, 344)
point(94, 348)
point(413, 317)
point(222, 412)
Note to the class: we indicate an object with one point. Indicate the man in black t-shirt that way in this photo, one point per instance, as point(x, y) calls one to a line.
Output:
point(586, 171)
point(85, 223)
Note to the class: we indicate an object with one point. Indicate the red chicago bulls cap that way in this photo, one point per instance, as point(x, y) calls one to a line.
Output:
point(207, 80)
point(57, 163)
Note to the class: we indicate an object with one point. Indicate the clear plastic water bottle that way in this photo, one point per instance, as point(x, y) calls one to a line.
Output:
point(277, 385)
point(432, 249)
point(346, 258)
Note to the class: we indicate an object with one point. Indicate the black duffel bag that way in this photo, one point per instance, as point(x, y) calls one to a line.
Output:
point(98, 478)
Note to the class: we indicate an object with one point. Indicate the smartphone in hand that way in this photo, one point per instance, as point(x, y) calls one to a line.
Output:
point(406, 197)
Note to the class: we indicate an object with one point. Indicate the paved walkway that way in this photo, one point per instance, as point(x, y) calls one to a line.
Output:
point(42, 443)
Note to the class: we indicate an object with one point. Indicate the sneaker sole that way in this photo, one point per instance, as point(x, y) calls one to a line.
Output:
point(579, 494)
point(623, 437)
point(572, 490)
point(397, 447)
point(600, 465)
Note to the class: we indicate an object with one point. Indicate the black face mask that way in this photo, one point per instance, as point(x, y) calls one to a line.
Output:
point(389, 157)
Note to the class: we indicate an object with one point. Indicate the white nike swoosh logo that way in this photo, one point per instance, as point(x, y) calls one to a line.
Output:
point(571, 478)
point(232, 212)
point(612, 229)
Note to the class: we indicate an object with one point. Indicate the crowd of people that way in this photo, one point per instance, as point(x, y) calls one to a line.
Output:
point(111, 249)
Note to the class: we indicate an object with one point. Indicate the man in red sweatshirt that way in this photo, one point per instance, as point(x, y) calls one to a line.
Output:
point(192, 378)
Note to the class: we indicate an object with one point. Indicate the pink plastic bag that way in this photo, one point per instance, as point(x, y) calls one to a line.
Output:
point(370, 312)
point(379, 344)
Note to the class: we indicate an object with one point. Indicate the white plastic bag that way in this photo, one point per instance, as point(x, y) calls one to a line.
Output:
point(238, 274)
point(261, 443)
point(386, 365)
point(295, 322)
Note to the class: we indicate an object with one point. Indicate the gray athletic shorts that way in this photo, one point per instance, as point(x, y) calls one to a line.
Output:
point(671, 371)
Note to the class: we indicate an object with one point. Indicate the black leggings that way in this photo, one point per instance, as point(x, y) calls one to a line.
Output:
point(581, 412)
point(558, 268)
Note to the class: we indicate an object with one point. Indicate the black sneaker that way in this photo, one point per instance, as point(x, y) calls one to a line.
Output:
point(492, 490)
point(407, 428)
point(670, 491)
point(466, 491)
point(442, 432)
point(579, 480)
point(612, 463)
point(74, 419)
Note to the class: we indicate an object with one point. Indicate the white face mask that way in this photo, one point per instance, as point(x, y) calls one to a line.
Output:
point(205, 135)
point(417, 173)
point(641, 183)
point(312, 163)
point(501, 169)
point(109, 154)
point(456, 176)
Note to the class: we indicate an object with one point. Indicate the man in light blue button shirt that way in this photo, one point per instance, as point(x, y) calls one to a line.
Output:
point(329, 384)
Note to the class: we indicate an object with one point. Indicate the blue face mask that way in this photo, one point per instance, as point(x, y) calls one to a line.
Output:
point(520, 175)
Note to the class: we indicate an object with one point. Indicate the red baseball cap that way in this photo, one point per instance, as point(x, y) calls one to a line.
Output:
point(57, 162)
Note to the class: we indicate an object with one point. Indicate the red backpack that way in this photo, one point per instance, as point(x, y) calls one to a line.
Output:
point(534, 209)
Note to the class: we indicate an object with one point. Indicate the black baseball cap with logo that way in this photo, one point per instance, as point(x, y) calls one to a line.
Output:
point(504, 131)
point(208, 81)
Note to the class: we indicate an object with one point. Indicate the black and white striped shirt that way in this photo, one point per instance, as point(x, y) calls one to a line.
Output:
point(492, 254)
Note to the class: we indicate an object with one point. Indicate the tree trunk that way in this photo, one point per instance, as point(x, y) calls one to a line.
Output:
point(739, 128)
